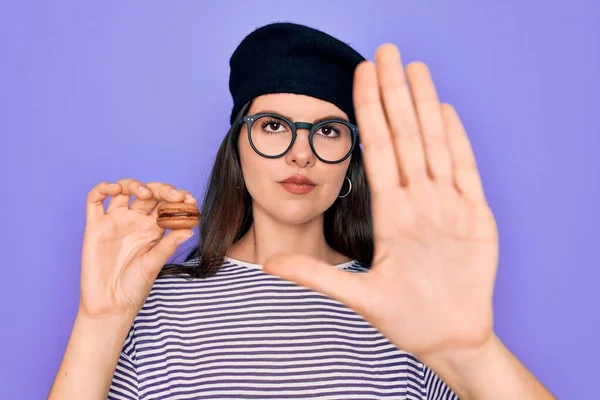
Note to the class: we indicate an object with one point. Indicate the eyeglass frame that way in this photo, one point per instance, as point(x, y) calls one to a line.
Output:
point(312, 128)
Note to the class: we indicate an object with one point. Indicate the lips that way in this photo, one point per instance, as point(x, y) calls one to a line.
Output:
point(298, 180)
point(298, 184)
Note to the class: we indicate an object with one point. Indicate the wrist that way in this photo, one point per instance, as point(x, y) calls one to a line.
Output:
point(489, 371)
point(461, 367)
point(91, 357)
point(465, 358)
point(112, 319)
point(115, 326)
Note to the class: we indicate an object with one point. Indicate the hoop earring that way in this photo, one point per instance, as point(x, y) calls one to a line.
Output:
point(349, 189)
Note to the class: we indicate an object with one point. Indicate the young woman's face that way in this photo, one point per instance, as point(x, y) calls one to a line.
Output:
point(289, 202)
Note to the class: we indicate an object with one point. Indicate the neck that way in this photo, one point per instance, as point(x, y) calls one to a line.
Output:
point(268, 237)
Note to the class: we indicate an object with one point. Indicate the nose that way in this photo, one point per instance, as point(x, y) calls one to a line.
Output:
point(301, 154)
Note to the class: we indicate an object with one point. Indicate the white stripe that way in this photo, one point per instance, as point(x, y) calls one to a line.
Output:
point(261, 391)
point(225, 368)
point(198, 346)
point(260, 309)
point(113, 394)
point(247, 300)
point(159, 361)
point(218, 329)
point(278, 365)
point(124, 379)
point(263, 318)
point(230, 297)
point(265, 332)
point(184, 378)
point(240, 286)
point(163, 283)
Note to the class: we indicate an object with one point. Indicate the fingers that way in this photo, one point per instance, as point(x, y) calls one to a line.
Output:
point(346, 287)
point(147, 197)
point(466, 174)
point(144, 200)
point(96, 197)
point(401, 115)
point(406, 142)
point(166, 246)
point(429, 114)
point(129, 187)
point(381, 166)
point(167, 193)
point(156, 191)
point(159, 192)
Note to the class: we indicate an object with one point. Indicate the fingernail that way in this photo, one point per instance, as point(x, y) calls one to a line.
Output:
point(143, 189)
point(174, 192)
point(191, 198)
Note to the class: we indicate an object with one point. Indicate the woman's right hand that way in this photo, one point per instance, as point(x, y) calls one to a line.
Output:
point(123, 247)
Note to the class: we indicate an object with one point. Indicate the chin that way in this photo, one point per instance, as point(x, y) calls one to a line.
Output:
point(291, 209)
point(295, 214)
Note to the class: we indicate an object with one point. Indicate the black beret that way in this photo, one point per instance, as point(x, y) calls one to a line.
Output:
point(286, 57)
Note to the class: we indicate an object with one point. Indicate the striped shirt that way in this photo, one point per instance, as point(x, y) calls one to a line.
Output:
point(245, 334)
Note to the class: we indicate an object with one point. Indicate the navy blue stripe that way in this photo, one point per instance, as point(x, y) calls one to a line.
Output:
point(399, 365)
point(256, 315)
point(266, 299)
point(176, 360)
point(150, 337)
point(317, 339)
point(304, 392)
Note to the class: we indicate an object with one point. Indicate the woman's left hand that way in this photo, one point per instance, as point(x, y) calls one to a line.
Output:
point(431, 282)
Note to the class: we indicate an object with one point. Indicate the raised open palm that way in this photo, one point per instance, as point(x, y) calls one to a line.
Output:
point(431, 283)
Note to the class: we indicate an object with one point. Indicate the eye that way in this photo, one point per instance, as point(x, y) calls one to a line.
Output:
point(273, 126)
point(329, 131)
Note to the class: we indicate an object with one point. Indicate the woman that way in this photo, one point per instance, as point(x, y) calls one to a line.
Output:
point(399, 309)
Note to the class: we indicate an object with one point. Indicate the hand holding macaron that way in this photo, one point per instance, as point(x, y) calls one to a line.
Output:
point(125, 245)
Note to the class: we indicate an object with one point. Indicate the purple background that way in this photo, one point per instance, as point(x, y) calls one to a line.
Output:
point(95, 91)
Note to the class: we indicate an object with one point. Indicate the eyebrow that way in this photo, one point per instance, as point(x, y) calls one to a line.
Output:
point(332, 116)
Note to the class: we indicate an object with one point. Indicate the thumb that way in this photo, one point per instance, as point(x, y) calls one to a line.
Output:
point(346, 287)
point(167, 245)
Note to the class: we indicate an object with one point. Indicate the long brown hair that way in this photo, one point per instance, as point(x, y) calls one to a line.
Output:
point(227, 213)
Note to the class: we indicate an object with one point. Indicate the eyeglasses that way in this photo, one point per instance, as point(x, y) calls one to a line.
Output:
point(272, 136)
